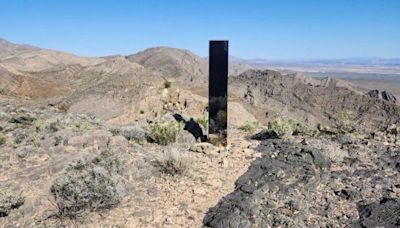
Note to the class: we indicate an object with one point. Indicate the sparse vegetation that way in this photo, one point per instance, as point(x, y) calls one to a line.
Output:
point(57, 140)
point(173, 163)
point(115, 131)
point(141, 112)
point(24, 118)
point(89, 185)
point(64, 107)
point(287, 127)
point(249, 127)
point(282, 127)
point(55, 126)
point(202, 121)
point(131, 133)
point(85, 126)
point(322, 128)
point(35, 139)
point(3, 139)
point(39, 125)
point(167, 83)
point(345, 122)
point(164, 133)
point(20, 137)
point(9, 200)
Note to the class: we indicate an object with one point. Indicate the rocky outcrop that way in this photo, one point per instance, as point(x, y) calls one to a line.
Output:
point(316, 183)
point(385, 213)
point(269, 94)
point(384, 95)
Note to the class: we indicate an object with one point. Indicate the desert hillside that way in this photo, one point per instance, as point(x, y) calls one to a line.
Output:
point(121, 141)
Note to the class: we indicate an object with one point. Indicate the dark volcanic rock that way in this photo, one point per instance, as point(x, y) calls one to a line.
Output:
point(315, 184)
point(265, 134)
point(289, 177)
point(384, 95)
point(385, 213)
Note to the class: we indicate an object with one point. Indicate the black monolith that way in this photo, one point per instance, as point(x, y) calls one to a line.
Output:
point(218, 91)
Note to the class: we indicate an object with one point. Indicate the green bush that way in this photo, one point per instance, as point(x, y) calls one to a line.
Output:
point(249, 127)
point(164, 133)
point(173, 163)
point(89, 185)
point(167, 84)
point(9, 200)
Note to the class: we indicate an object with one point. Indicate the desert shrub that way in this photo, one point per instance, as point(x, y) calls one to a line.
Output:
point(89, 185)
point(282, 127)
point(164, 133)
point(301, 129)
point(20, 137)
point(322, 128)
point(81, 126)
point(3, 139)
point(25, 119)
point(55, 126)
point(202, 121)
point(57, 140)
point(141, 112)
point(35, 139)
point(39, 125)
point(345, 122)
point(249, 127)
point(115, 131)
point(287, 127)
point(167, 84)
point(64, 107)
point(173, 163)
point(134, 134)
point(9, 200)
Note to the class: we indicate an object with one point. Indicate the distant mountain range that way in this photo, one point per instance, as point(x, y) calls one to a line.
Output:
point(354, 65)
point(367, 61)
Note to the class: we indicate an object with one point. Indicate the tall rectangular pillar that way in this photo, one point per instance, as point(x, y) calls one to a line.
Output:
point(218, 91)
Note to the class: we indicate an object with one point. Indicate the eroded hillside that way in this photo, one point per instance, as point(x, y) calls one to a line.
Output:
point(116, 141)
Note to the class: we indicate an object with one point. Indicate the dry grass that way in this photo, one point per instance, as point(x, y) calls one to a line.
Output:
point(173, 162)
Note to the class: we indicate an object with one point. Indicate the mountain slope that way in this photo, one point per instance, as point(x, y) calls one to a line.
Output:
point(311, 100)
point(23, 58)
point(181, 65)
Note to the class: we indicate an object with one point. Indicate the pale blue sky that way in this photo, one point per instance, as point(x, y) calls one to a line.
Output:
point(272, 29)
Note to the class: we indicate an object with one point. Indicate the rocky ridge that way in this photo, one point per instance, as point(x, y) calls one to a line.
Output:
point(326, 154)
point(328, 181)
